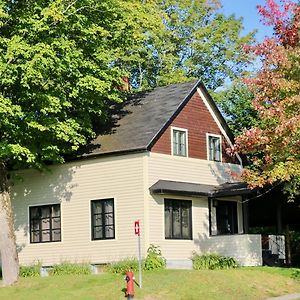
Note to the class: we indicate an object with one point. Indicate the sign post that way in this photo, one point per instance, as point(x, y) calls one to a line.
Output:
point(137, 231)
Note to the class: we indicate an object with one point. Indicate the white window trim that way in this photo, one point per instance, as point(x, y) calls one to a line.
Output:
point(61, 222)
point(207, 145)
point(186, 140)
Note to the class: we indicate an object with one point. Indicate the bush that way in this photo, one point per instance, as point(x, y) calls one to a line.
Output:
point(123, 266)
point(70, 269)
point(30, 271)
point(213, 262)
point(154, 259)
point(296, 274)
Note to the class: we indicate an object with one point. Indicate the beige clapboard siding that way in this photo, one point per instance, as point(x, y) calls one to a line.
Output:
point(74, 185)
point(177, 168)
point(189, 170)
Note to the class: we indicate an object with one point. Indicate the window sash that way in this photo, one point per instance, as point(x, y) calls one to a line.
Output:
point(45, 223)
point(179, 142)
point(103, 223)
point(178, 219)
point(214, 148)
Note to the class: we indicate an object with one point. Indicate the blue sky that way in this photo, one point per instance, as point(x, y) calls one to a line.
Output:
point(251, 18)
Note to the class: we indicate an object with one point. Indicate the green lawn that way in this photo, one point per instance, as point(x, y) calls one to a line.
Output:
point(242, 283)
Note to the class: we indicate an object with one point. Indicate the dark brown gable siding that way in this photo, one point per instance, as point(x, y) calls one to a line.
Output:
point(196, 118)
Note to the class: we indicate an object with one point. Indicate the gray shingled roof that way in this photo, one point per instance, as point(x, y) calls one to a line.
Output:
point(144, 116)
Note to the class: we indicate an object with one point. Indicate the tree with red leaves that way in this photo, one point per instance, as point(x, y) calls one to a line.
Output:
point(274, 145)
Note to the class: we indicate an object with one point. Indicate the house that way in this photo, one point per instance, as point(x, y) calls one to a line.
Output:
point(164, 162)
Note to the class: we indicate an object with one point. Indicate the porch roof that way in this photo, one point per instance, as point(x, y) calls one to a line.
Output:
point(197, 189)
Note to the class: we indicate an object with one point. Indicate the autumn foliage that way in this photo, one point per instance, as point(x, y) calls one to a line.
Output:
point(274, 145)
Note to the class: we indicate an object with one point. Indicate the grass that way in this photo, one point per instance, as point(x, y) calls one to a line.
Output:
point(241, 283)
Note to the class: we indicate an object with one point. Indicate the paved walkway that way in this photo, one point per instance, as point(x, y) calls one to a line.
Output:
point(286, 297)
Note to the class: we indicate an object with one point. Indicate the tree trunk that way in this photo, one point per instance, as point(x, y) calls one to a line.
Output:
point(8, 249)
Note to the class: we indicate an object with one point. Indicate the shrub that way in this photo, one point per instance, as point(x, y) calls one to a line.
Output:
point(30, 271)
point(213, 261)
point(154, 259)
point(296, 274)
point(70, 269)
point(123, 266)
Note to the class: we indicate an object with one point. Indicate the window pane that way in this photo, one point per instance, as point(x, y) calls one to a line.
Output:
point(109, 231)
point(35, 225)
point(45, 224)
point(45, 210)
point(168, 220)
point(46, 236)
point(97, 207)
point(183, 145)
point(175, 142)
point(56, 223)
point(218, 150)
point(108, 206)
point(98, 232)
point(56, 235)
point(55, 211)
point(34, 212)
point(98, 220)
point(185, 217)
point(176, 222)
point(109, 220)
point(35, 236)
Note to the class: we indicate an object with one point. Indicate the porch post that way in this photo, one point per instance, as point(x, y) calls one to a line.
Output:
point(246, 215)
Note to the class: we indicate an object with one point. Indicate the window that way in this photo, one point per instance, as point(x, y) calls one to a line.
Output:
point(226, 215)
point(178, 219)
point(214, 148)
point(103, 223)
point(179, 140)
point(45, 223)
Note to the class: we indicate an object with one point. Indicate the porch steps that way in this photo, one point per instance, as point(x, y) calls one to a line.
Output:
point(179, 264)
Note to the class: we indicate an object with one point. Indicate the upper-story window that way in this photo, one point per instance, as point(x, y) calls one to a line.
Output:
point(179, 142)
point(214, 147)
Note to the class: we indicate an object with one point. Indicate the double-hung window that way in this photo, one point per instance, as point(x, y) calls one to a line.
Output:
point(103, 221)
point(45, 223)
point(178, 219)
point(179, 141)
point(214, 148)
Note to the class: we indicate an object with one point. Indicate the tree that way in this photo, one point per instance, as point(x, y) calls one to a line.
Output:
point(235, 103)
point(194, 40)
point(275, 143)
point(60, 65)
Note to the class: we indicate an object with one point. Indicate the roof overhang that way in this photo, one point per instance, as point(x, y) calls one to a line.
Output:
point(196, 189)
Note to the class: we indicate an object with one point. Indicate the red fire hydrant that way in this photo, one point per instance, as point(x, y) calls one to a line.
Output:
point(130, 285)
